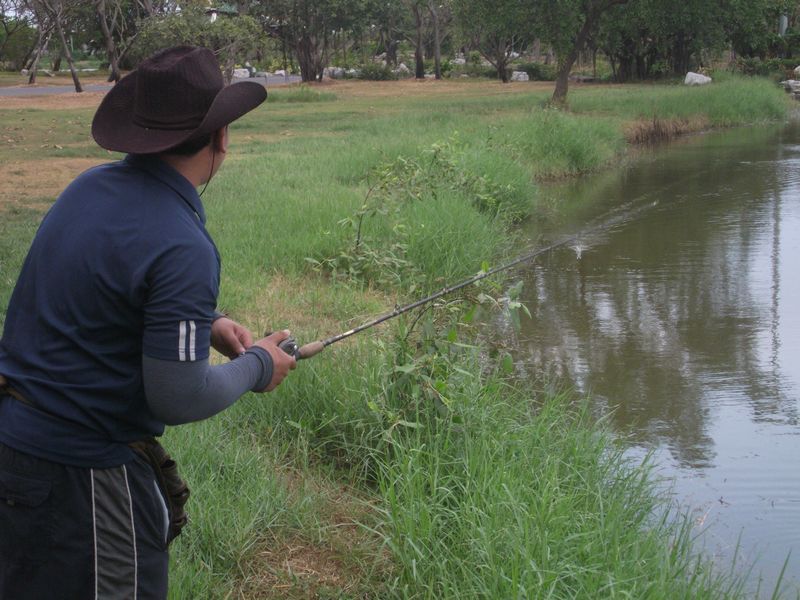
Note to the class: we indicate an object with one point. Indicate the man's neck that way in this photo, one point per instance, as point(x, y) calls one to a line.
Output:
point(195, 169)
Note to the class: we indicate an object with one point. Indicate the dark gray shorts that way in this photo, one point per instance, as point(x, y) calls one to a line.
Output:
point(69, 532)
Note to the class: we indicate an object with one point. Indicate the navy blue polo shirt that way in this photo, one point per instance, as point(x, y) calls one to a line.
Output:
point(121, 266)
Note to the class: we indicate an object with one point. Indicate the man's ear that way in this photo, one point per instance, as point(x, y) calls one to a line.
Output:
point(220, 140)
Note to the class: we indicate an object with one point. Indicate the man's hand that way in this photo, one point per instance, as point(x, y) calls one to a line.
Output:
point(281, 362)
point(230, 338)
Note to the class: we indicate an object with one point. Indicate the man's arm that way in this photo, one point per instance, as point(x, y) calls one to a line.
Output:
point(183, 391)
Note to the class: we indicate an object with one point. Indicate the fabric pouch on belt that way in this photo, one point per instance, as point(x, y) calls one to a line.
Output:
point(175, 490)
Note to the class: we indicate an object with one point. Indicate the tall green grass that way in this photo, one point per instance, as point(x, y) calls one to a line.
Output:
point(733, 101)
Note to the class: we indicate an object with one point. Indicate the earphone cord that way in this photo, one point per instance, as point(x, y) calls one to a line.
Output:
point(210, 173)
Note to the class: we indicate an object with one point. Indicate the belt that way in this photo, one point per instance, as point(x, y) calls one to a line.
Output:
point(7, 389)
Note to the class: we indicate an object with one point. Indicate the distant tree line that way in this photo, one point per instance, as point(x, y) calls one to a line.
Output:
point(639, 38)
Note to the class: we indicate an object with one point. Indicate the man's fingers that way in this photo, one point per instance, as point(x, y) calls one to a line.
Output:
point(278, 336)
point(245, 337)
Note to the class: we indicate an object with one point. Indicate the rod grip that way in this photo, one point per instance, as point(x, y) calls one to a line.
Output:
point(310, 349)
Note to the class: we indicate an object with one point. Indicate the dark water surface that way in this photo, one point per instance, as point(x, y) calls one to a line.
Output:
point(683, 322)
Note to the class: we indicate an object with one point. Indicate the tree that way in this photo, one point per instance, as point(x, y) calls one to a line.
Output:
point(118, 21)
point(647, 38)
point(568, 25)
point(307, 27)
point(440, 12)
point(17, 36)
point(232, 39)
point(750, 23)
point(496, 28)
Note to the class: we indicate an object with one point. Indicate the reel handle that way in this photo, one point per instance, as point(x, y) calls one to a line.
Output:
point(289, 345)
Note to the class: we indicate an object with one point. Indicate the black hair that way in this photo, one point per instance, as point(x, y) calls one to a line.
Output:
point(191, 146)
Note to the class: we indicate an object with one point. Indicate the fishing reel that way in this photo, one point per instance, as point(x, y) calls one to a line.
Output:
point(289, 345)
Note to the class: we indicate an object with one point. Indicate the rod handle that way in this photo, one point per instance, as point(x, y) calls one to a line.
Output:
point(309, 350)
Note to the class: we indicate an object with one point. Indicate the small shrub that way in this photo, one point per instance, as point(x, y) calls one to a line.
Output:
point(538, 71)
point(377, 72)
point(782, 68)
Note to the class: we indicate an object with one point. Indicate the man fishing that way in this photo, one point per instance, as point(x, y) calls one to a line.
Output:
point(107, 339)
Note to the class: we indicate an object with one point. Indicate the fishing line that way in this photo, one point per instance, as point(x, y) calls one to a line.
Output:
point(313, 348)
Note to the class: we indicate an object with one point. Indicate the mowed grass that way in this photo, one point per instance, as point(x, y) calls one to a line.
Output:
point(396, 465)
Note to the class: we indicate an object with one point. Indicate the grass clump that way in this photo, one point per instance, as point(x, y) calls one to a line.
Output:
point(301, 94)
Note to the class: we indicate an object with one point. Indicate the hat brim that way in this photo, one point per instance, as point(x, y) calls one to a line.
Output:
point(113, 127)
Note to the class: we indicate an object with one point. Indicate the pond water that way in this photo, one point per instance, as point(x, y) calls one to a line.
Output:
point(682, 320)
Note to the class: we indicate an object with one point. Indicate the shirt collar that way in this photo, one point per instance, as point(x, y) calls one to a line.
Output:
point(171, 178)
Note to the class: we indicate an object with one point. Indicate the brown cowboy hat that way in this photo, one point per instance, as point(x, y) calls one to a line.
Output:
point(175, 95)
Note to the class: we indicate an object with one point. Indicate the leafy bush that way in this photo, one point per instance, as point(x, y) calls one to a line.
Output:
point(538, 71)
point(773, 67)
point(377, 72)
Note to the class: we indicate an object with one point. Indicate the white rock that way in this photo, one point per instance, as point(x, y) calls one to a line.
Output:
point(333, 72)
point(696, 79)
point(797, 71)
point(241, 73)
point(24, 72)
point(791, 85)
point(403, 69)
point(459, 61)
point(280, 73)
point(519, 76)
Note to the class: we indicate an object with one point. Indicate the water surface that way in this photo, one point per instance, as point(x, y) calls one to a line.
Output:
point(683, 321)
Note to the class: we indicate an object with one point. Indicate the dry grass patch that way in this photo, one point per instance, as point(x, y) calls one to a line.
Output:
point(341, 562)
point(297, 302)
point(355, 89)
point(27, 183)
point(657, 130)
point(65, 101)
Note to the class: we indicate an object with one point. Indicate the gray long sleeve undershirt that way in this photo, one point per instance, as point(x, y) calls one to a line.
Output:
point(181, 392)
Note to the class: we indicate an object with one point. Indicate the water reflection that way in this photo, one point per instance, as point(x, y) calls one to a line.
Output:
point(682, 320)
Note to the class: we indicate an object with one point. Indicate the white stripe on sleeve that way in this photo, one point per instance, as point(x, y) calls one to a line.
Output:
point(182, 340)
point(192, 329)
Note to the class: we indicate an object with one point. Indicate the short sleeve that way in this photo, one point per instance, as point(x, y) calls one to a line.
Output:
point(183, 285)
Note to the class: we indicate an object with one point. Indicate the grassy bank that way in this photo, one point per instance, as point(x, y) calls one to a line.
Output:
point(404, 462)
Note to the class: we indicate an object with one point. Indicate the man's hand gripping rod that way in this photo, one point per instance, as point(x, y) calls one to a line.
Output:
point(289, 345)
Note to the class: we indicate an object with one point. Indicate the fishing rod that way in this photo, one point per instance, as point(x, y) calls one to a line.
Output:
point(290, 346)
point(623, 214)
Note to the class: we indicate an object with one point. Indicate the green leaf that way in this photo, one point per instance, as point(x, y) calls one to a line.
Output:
point(507, 364)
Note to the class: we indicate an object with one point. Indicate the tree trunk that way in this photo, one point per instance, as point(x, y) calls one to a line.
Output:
point(148, 7)
point(419, 57)
point(437, 41)
point(111, 49)
point(34, 68)
point(306, 51)
point(565, 64)
point(60, 29)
